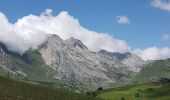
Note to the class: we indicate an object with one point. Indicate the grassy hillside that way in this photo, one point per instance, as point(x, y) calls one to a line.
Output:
point(14, 90)
point(147, 91)
point(154, 71)
point(32, 64)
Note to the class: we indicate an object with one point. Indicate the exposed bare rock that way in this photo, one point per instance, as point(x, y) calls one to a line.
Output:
point(73, 61)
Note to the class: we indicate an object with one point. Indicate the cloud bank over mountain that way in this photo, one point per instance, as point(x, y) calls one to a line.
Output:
point(153, 53)
point(31, 31)
point(19, 39)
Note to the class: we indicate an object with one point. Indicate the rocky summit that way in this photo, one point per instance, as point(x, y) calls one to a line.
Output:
point(74, 62)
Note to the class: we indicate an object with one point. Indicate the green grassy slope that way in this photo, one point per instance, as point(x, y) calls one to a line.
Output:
point(154, 71)
point(32, 64)
point(14, 90)
point(148, 91)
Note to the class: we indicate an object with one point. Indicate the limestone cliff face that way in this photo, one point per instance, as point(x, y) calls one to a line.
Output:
point(73, 61)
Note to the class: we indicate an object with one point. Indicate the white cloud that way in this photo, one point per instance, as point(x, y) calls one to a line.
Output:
point(16, 40)
point(31, 31)
point(161, 4)
point(166, 37)
point(123, 20)
point(153, 53)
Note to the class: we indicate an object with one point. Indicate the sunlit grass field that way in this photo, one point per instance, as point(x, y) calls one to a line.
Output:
point(147, 91)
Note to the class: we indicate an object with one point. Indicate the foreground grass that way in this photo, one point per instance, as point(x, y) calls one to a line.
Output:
point(14, 90)
point(148, 91)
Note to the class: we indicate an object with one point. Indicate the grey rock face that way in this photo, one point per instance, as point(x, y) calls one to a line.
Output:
point(129, 60)
point(73, 62)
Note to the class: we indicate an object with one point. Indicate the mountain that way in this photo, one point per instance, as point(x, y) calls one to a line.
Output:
point(129, 60)
point(71, 64)
point(74, 62)
point(154, 71)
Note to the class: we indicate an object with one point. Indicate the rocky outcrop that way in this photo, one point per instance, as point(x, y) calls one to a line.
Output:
point(73, 61)
point(129, 60)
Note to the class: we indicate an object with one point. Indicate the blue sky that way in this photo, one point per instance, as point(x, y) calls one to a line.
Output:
point(147, 24)
point(146, 27)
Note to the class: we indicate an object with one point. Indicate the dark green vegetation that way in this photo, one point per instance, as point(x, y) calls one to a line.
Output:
point(15, 90)
point(147, 91)
point(154, 71)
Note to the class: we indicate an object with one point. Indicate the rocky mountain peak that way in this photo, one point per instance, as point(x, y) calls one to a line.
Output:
point(104, 51)
point(130, 60)
point(52, 37)
point(76, 43)
point(116, 55)
point(71, 57)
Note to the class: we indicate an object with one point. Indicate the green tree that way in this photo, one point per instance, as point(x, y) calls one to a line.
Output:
point(138, 95)
point(100, 89)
